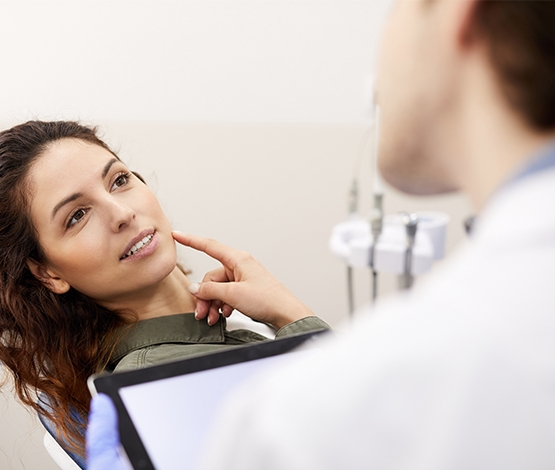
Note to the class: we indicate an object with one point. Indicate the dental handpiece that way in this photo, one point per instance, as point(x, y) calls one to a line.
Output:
point(376, 227)
point(411, 224)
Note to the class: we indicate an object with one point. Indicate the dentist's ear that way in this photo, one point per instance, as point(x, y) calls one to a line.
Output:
point(53, 282)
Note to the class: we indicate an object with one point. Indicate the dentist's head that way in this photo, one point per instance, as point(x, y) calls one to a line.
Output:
point(466, 88)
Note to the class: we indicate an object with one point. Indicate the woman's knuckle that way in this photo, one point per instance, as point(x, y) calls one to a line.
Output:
point(244, 256)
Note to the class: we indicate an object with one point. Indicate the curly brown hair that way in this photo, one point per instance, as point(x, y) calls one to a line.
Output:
point(50, 343)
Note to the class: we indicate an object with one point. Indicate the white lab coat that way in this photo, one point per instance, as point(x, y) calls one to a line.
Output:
point(460, 374)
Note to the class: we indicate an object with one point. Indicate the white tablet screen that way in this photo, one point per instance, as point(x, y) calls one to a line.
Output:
point(173, 415)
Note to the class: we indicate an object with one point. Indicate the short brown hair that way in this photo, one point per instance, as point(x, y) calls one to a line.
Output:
point(521, 43)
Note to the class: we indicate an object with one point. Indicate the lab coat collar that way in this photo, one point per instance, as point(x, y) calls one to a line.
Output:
point(539, 167)
point(519, 212)
point(541, 161)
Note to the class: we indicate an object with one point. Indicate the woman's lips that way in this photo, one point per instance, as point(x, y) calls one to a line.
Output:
point(142, 245)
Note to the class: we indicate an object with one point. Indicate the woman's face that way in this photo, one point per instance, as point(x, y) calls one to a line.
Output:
point(102, 230)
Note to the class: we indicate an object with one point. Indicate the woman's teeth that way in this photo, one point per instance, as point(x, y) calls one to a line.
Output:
point(137, 246)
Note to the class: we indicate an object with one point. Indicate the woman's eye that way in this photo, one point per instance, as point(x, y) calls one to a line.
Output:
point(121, 180)
point(76, 217)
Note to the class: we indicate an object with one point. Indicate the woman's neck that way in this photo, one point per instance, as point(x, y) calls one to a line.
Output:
point(168, 297)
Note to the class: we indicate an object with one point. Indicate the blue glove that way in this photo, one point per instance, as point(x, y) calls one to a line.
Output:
point(103, 436)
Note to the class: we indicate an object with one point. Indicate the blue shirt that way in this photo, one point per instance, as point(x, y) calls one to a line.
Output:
point(543, 160)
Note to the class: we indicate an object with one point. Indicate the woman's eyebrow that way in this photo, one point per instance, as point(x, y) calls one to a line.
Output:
point(65, 201)
point(108, 166)
point(75, 196)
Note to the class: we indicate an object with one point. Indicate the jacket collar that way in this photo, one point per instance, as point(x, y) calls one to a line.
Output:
point(180, 328)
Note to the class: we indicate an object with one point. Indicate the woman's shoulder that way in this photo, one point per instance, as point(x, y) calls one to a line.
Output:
point(146, 346)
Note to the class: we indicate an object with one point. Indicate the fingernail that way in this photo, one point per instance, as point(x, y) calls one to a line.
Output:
point(208, 321)
point(196, 315)
point(194, 288)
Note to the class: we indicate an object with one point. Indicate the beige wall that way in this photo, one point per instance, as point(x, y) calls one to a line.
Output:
point(20, 436)
point(189, 60)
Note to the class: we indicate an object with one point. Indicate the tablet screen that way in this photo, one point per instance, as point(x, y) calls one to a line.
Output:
point(172, 416)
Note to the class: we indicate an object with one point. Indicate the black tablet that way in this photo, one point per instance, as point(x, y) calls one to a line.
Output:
point(165, 411)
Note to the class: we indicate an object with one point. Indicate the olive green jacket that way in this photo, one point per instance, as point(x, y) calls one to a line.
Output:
point(175, 337)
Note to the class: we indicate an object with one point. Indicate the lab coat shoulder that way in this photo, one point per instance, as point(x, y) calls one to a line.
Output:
point(458, 374)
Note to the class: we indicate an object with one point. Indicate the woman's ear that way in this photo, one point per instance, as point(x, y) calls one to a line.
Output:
point(53, 282)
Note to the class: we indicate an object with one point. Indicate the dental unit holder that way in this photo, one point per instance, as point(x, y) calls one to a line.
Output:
point(376, 227)
point(401, 244)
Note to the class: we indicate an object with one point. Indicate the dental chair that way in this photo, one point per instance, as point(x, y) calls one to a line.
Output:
point(59, 455)
point(55, 446)
point(239, 321)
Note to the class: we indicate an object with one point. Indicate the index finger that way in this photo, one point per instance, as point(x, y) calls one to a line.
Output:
point(223, 253)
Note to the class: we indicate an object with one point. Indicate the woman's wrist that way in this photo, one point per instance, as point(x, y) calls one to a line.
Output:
point(291, 312)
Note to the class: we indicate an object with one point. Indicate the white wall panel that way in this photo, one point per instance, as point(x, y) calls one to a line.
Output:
point(203, 60)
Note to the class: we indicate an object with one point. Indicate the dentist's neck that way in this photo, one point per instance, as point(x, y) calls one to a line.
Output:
point(493, 141)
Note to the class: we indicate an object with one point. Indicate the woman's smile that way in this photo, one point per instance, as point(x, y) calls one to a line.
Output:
point(146, 244)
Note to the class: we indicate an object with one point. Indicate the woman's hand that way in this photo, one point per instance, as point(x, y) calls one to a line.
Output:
point(241, 283)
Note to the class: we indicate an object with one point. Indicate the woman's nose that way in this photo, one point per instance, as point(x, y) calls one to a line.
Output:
point(121, 215)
